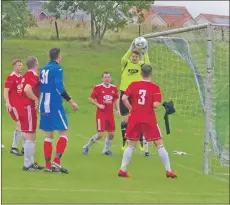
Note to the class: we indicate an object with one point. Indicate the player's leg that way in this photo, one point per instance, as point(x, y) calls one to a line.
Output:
point(92, 140)
point(146, 146)
point(28, 121)
point(46, 124)
point(22, 135)
point(101, 126)
point(124, 120)
point(108, 143)
point(133, 134)
point(110, 127)
point(61, 124)
point(154, 134)
point(17, 133)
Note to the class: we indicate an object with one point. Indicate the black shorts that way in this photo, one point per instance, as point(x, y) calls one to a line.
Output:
point(123, 110)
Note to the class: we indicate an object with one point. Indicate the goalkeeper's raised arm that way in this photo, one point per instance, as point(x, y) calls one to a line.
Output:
point(130, 71)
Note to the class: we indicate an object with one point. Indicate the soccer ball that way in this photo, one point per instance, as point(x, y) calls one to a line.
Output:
point(140, 43)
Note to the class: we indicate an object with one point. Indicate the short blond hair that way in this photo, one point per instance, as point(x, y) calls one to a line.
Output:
point(16, 61)
point(30, 61)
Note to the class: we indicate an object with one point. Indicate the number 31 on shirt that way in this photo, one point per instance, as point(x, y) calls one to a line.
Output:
point(44, 77)
point(141, 100)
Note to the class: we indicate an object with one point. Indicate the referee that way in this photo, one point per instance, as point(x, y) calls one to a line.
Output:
point(131, 71)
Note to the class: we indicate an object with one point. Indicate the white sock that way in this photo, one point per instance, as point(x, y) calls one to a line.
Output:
point(92, 141)
point(32, 155)
point(164, 157)
point(22, 136)
point(15, 139)
point(126, 157)
point(146, 145)
point(28, 152)
point(108, 144)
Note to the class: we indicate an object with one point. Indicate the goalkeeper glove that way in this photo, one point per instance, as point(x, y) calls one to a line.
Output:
point(132, 46)
point(145, 50)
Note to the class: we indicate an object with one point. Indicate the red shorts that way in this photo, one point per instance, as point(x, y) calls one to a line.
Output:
point(105, 123)
point(14, 113)
point(151, 133)
point(28, 119)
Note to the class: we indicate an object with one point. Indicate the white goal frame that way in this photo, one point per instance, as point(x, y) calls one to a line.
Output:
point(208, 84)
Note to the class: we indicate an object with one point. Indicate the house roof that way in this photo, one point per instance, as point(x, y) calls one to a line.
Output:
point(172, 15)
point(215, 19)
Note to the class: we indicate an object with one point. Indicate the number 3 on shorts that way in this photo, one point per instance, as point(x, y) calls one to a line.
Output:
point(141, 100)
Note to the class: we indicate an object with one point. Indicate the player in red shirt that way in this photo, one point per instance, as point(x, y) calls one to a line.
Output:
point(104, 96)
point(28, 116)
point(146, 97)
point(12, 92)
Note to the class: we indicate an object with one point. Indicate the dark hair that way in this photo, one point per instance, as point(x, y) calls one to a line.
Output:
point(105, 73)
point(146, 70)
point(30, 61)
point(54, 53)
point(136, 52)
point(16, 61)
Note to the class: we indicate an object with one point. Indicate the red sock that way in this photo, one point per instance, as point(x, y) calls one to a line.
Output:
point(60, 148)
point(48, 151)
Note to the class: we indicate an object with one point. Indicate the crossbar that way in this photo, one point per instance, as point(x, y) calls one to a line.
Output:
point(175, 31)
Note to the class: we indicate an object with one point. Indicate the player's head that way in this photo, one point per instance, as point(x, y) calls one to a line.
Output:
point(106, 78)
point(135, 56)
point(32, 63)
point(146, 71)
point(17, 66)
point(55, 54)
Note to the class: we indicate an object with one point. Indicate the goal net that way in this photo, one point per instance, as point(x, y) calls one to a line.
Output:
point(191, 65)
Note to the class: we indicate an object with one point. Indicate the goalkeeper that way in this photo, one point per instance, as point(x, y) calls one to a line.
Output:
point(131, 71)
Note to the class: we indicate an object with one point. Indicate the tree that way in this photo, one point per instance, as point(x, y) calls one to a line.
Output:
point(16, 19)
point(105, 15)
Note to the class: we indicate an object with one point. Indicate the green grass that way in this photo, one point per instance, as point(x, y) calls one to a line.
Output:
point(93, 178)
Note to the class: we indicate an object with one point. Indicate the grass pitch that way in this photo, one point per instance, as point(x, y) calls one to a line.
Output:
point(93, 178)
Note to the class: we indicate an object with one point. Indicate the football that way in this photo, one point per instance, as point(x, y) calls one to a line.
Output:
point(140, 42)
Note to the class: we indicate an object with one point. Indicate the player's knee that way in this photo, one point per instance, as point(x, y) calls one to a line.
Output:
point(29, 136)
point(18, 126)
point(63, 133)
point(124, 118)
point(99, 135)
point(49, 135)
point(132, 143)
point(110, 135)
point(159, 143)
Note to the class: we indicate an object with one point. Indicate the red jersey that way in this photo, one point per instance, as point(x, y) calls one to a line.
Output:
point(105, 95)
point(143, 94)
point(31, 78)
point(13, 82)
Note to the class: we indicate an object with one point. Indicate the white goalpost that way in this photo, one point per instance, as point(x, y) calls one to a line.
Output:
point(192, 66)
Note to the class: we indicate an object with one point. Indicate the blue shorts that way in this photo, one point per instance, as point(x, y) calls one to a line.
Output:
point(55, 120)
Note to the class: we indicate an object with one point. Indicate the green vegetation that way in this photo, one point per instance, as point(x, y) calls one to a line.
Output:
point(93, 178)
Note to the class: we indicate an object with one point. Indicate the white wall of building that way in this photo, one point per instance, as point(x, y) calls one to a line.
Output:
point(201, 20)
point(190, 22)
point(158, 21)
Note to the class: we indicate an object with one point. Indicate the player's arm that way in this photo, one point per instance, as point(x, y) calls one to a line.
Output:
point(146, 56)
point(157, 98)
point(127, 55)
point(61, 89)
point(116, 102)
point(93, 99)
point(8, 85)
point(28, 89)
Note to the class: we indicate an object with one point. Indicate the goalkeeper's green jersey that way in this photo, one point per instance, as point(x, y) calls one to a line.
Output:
point(131, 72)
